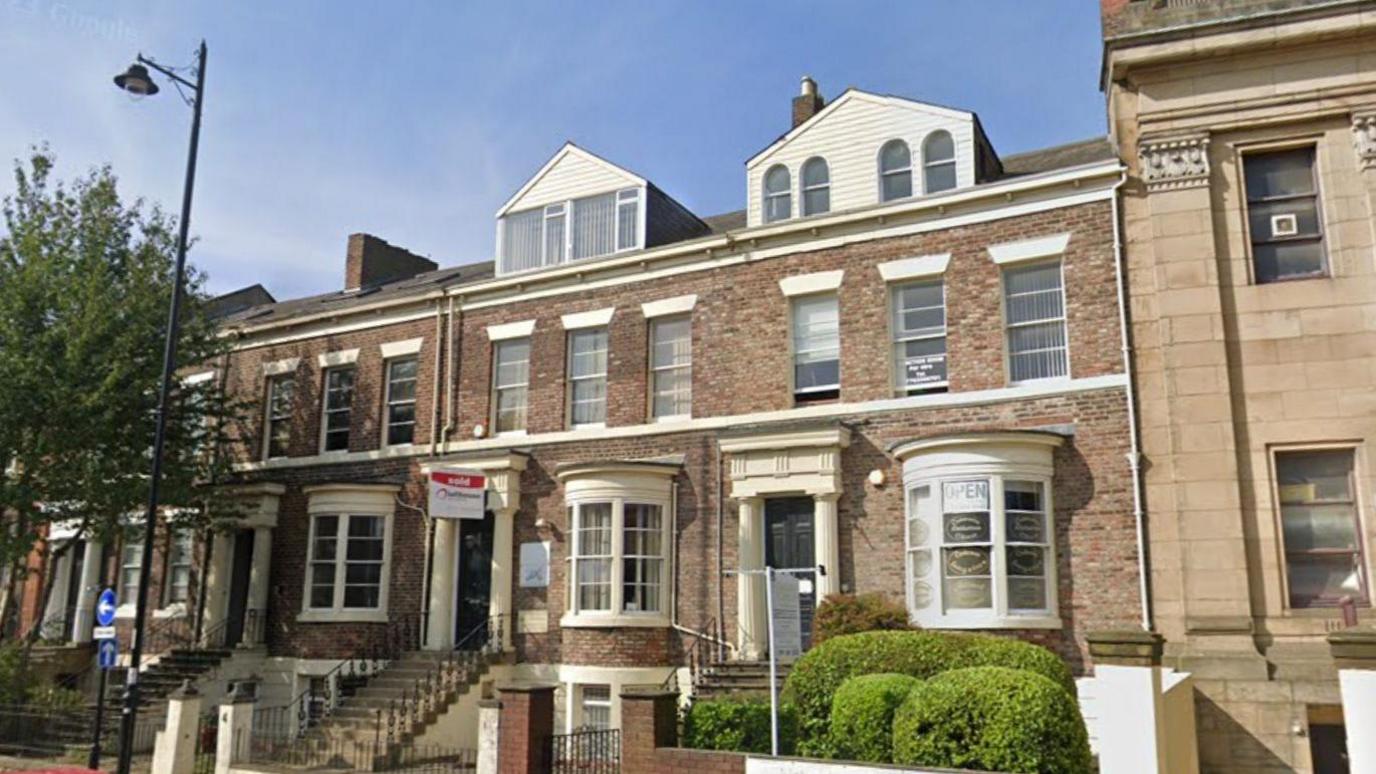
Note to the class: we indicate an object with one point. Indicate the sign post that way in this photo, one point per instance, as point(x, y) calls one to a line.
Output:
point(107, 655)
point(784, 630)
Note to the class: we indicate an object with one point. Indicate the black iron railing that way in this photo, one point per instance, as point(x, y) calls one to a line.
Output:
point(588, 751)
point(33, 731)
point(704, 650)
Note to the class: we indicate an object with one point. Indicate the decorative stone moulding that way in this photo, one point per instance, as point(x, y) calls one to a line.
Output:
point(1364, 136)
point(1170, 163)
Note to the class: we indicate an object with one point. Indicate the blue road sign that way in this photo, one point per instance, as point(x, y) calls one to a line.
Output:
point(107, 653)
point(105, 608)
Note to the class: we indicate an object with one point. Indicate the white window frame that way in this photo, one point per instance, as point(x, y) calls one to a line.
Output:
point(498, 387)
point(997, 458)
point(883, 173)
point(655, 371)
point(766, 195)
point(564, 209)
point(619, 485)
point(270, 420)
point(1009, 326)
point(928, 164)
point(897, 338)
point(128, 592)
point(804, 188)
point(605, 331)
point(584, 703)
point(795, 353)
point(388, 402)
point(325, 409)
point(187, 540)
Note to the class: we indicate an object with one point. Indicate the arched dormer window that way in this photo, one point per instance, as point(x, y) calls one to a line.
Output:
point(895, 171)
point(778, 194)
point(938, 162)
point(816, 186)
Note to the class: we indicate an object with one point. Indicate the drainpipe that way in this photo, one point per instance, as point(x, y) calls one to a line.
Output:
point(1135, 450)
point(435, 382)
point(721, 570)
point(455, 342)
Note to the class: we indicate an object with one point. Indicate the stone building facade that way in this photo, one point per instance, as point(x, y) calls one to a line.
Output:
point(1247, 215)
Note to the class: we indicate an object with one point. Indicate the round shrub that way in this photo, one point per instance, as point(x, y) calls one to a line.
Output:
point(1016, 654)
point(845, 614)
point(739, 724)
point(862, 715)
point(814, 678)
point(991, 719)
point(813, 681)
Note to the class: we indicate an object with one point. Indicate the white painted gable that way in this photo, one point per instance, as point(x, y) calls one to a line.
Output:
point(572, 173)
point(848, 134)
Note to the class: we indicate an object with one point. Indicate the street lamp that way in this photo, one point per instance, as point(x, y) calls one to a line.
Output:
point(136, 80)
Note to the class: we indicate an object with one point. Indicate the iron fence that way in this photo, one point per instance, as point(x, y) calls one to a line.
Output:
point(315, 750)
point(45, 732)
point(586, 752)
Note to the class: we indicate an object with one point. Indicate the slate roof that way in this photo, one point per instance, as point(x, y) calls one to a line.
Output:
point(1071, 154)
point(1016, 165)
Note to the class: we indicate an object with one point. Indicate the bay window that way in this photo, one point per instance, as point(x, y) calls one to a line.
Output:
point(619, 520)
point(980, 547)
point(347, 559)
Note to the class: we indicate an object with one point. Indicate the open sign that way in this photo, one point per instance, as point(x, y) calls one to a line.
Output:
point(457, 494)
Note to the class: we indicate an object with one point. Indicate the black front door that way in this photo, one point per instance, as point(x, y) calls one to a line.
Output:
point(788, 545)
point(474, 586)
point(242, 567)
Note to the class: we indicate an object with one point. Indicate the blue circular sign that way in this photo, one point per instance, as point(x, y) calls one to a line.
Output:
point(105, 607)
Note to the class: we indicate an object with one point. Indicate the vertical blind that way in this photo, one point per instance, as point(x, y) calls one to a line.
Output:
point(581, 228)
point(1036, 322)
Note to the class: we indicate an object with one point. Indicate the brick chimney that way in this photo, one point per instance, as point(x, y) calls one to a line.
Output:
point(371, 262)
point(808, 103)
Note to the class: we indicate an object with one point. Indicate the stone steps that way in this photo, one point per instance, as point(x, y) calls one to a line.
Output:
point(733, 678)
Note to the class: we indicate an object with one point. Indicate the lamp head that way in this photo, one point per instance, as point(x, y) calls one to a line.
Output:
point(137, 81)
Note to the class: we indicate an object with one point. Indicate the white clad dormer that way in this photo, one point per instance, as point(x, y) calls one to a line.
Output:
point(865, 149)
point(578, 207)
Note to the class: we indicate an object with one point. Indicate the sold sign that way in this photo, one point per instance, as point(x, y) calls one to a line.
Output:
point(457, 494)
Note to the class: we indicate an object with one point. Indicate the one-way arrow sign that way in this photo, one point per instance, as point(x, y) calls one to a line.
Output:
point(105, 608)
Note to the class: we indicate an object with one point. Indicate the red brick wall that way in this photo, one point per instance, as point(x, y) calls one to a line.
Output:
point(741, 364)
point(649, 735)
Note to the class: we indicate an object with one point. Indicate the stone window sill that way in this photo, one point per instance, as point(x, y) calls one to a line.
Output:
point(611, 621)
point(342, 616)
point(995, 622)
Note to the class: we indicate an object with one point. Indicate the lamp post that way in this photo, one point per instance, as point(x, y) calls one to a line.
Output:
point(136, 80)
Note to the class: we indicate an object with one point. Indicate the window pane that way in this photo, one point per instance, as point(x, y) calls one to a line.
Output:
point(777, 200)
point(938, 147)
point(513, 362)
point(554, 239)
point(521, 239)
point(816, 200)
point(965, 527)
point(894, 156)
point(594, 224)
point(816, 187)
point(1284, 173)
point(1035, 309)
point(1286, 260)
point(1027, 594)
point(627, 218)
point(941, 177)
point(588, 352)
point(1324, 579)
point(897, 185)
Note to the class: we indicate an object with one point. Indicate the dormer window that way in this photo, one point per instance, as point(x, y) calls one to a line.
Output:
point(938, 162)
point(576, 229)
point(778, 194)
point(895, 171)
point(816, 186)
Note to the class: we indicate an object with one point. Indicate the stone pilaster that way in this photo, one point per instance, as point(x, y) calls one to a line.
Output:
point(750, 602)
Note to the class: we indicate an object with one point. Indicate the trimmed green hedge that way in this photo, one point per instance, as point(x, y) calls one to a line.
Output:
point(992, 719)
point(739, 724)
point(815, 677)
point(862, 715)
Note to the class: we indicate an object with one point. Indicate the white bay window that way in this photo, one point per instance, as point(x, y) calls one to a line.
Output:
point(619, 519)
point(980, 536)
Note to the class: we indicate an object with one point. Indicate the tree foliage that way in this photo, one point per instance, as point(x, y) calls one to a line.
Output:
point(85, 283)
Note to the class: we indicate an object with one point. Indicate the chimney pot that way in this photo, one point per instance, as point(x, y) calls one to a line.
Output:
point(808, 103)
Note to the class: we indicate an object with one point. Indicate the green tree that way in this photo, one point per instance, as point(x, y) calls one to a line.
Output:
point(85, 282)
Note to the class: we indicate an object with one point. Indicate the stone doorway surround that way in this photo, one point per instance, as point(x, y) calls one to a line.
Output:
point(260, 504)
point(778, 461)
point(503, 471)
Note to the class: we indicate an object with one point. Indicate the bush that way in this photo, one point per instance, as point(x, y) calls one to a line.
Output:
point(815, 677)
point(1016, 654)
point(862, 715)
point(992, 719)
point(739, 724)
point(841, 614)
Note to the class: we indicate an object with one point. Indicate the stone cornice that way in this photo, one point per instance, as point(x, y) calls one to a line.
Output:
point(1364, 136)
point(1172, 163)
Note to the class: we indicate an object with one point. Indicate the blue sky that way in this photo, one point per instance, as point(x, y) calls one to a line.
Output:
point(416, 121)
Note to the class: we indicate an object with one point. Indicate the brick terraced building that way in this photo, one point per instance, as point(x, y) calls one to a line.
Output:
point(900, 368)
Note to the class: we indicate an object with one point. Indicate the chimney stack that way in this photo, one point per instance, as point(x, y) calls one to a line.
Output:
point(372, 262)
point(808, 103)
